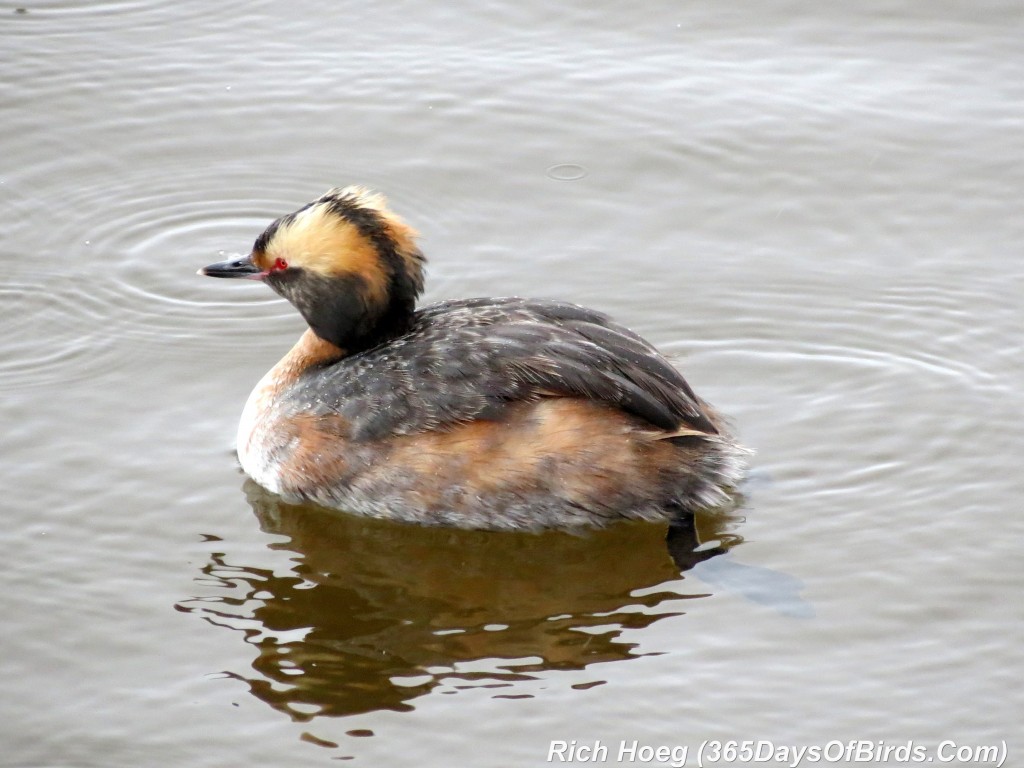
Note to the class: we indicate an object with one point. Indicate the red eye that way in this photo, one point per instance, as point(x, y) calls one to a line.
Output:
point(280, 264)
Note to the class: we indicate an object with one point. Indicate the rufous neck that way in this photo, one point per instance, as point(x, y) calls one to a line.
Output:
point(310, 350)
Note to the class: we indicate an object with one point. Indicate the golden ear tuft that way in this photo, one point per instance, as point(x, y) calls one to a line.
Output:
point(346, 230)
point(402, 235)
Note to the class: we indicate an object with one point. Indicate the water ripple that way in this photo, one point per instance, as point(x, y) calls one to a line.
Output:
point(122, 271)
point(118, 265)
point(51, 325)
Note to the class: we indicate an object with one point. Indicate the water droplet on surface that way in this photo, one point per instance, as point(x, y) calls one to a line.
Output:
point(567, 172)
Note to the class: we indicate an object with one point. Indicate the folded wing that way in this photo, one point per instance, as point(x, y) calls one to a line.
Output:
point(468, 360)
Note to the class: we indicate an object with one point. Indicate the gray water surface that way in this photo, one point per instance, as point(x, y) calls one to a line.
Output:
point(814, 208)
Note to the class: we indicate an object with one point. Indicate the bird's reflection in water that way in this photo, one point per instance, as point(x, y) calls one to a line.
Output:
point(374, 614)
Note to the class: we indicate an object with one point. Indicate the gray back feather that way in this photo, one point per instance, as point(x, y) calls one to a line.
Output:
point(469, 359)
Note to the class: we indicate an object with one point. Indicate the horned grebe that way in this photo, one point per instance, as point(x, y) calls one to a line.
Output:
point(501, 413)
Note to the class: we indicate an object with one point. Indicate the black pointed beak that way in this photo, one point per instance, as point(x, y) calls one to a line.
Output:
point(240, 267)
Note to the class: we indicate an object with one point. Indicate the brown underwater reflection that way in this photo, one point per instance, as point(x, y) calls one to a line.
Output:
point(375, 614)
